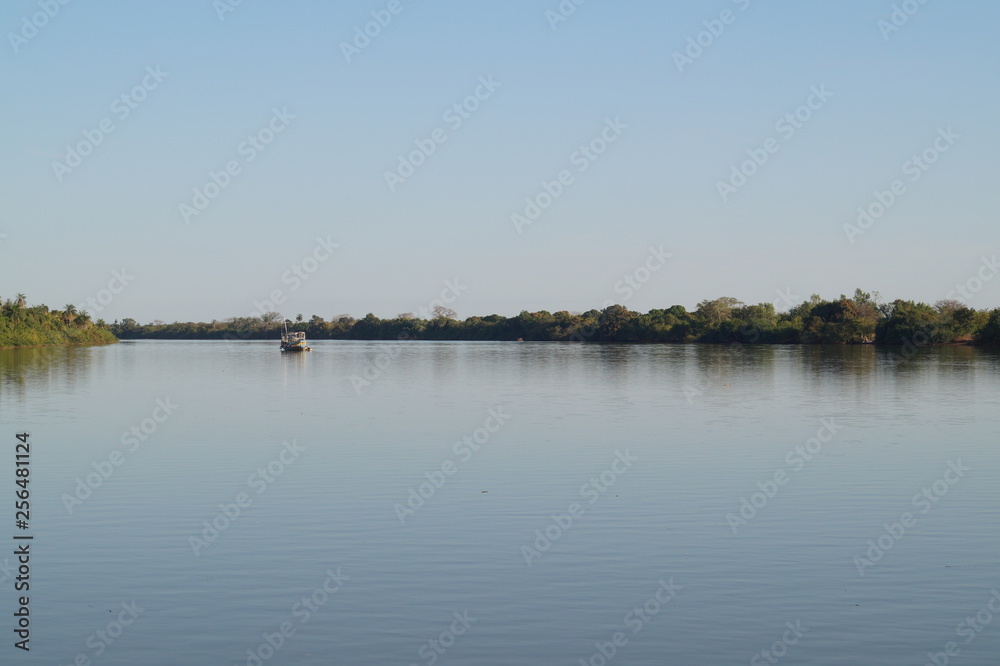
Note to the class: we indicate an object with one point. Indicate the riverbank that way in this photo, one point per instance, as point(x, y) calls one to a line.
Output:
point(38, 326)
point(859, 320)
point(94, 336)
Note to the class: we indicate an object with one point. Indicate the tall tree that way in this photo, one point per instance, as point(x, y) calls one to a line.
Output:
point(718, 310)
point(611, 321)
point(444, 313)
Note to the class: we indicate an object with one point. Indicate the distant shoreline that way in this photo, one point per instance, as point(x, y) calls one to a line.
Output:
point(859, 320)
point(693, 343)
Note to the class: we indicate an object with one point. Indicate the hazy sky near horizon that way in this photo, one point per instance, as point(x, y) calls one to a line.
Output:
point(309, 129)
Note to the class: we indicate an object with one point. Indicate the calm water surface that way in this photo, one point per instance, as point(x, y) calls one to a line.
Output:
point(375, 462)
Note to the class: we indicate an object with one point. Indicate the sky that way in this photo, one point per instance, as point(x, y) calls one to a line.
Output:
point(195, 160)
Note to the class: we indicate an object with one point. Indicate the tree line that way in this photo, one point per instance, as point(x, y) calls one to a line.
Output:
point(24, 326)
point(861, 319)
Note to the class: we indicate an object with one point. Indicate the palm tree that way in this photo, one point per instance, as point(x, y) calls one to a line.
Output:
point(69, 313)
point(83, 319)
point(21, 300)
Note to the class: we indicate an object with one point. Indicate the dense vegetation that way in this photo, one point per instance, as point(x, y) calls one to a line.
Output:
point(22, 326)
point(858, 320)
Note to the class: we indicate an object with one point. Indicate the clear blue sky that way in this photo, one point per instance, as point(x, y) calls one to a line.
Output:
point(656, 184)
